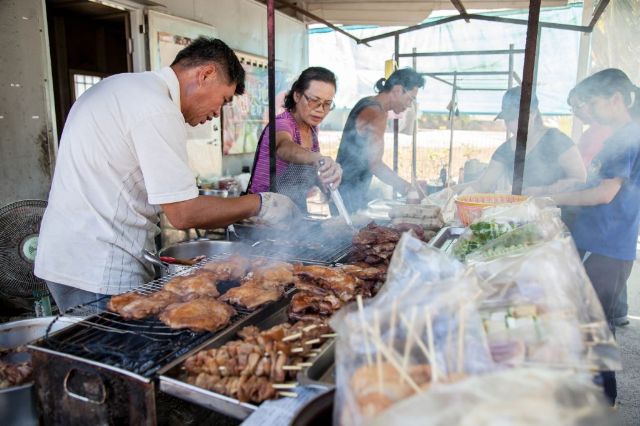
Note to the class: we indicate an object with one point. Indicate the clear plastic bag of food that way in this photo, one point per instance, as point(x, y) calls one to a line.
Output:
point(518, 397)
point(404, 342)
point(540, 309)
point(510, 228)
point(414, 263)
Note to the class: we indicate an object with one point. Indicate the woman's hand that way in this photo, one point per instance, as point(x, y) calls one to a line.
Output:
point(329, 172)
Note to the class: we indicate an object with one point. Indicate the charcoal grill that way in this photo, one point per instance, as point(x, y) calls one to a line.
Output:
point(102, 370)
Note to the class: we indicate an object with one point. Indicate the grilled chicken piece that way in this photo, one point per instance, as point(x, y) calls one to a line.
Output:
point(303, 304)
point(339, 282)
point(231, 269)
point(197, 284)
point(272, 271)
point(202, 314)
point(365, 272)
point(141, 306)
point(374, 234)
point(117, 302)
point(252, 296)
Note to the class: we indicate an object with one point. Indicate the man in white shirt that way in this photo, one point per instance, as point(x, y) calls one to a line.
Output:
point(122, 160)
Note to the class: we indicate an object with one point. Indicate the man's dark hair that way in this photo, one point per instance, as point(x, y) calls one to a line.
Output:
point(204, 50)
point(303, 82)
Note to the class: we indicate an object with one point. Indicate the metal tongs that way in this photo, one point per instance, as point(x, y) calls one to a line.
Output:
point(337, 200)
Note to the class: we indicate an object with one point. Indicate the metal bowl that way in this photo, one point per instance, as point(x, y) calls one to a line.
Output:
point(191, 249)
point(17, 404)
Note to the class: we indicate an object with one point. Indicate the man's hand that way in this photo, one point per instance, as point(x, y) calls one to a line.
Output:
point(329, 172)
point(276, 209)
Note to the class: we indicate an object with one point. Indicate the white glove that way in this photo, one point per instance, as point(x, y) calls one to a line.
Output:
point(276, 209)
point(329, 172)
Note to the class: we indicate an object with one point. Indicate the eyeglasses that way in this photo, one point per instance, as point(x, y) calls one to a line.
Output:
point(317, 102)
point(413, 97)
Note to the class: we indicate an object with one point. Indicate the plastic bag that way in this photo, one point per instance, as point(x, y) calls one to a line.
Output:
point(411, 335)
point(540, 309)
point(413, 264)
point(510, 228)
point(513, 397)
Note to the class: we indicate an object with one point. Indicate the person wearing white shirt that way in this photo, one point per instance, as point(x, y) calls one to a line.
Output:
point(123, 160)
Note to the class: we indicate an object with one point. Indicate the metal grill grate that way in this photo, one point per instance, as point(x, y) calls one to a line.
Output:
point(141, 347)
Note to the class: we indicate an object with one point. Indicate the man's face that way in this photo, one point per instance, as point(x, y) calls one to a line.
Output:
point(404, 98)
point(205, 94)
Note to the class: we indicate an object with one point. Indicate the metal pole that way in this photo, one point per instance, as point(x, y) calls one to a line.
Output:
point(451, 116)
point(509, 80)
point(525, 97)
point(395, 120)
point(414, 140)
point(271, 74)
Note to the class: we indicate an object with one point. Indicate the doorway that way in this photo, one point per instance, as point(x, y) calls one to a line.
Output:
point(88, 41)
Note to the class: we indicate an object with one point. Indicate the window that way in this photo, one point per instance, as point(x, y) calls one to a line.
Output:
point(82, 82)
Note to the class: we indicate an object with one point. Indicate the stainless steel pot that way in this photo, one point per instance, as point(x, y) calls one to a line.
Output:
point(191, 249)
point(18, 404)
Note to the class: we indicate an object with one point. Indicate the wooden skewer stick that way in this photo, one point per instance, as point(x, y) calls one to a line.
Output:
point(364, 328)
point(329, 335)
point(461, 320)
point(392, 326)
point(312, 341)
point(376, 322)
point(297, 350)
point(292, 337)
point(394, 363)
point(291, 367)
point(418, 340)
point(305, 364)
point(284, 385)
point(309, 328)
point(434, 368)
point(288, 394)
point(409, 340)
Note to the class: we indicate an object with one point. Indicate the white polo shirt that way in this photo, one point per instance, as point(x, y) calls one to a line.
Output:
point(122, 153)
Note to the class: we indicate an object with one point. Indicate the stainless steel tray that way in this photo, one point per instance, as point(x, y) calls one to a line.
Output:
point(171, 377)
point(321, 374)
point(445, 238)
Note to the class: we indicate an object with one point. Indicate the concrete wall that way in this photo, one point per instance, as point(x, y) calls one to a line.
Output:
point(26, 134)
point(242, 24)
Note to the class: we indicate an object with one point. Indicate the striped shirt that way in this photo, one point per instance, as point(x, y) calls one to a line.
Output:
point(284, 123)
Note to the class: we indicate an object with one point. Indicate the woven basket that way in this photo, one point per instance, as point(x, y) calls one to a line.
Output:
point(470, 206)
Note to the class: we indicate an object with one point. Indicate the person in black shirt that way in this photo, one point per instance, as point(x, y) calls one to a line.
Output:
point(362, 144)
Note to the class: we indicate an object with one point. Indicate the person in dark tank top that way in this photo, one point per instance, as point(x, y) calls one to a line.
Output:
point(362, 144)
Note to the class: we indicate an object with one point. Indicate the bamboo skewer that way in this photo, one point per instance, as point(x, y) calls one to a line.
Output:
point(392, 325)
point(409, 340)
point(376, 322)
point(292, 337)
point(284, 385)
point(329, 335)
point(291, 367)
point(394, 363)
point(460, 338)
point(434, 369)
point(312, 341)
point(364, 327)
point(288, 394)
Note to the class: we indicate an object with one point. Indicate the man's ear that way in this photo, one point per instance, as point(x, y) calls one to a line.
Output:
point(207, 74)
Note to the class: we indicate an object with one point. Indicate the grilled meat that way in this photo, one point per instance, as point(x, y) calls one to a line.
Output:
point(202, 314)
point(375, 234)
point(231, 269)
point(14, 374)
point(365, 271)
point(142, 306)
point(194, 285)
point(253, 294)
point(340, 283)
point(304, 303)
point(272, 271)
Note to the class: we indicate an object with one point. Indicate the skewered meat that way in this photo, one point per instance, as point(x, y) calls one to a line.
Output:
point(136, 306)
point(340, 283)
point(199, 283)
point(202, 314)
point(231, 269)
point(373, 398)
point(253, 294)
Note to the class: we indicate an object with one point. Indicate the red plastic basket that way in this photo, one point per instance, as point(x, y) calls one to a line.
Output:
point(470, 206)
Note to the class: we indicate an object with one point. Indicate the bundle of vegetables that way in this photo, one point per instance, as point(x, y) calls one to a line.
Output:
point(496, 239)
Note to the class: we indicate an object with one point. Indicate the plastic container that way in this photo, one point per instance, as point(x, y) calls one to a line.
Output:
point(470, 206)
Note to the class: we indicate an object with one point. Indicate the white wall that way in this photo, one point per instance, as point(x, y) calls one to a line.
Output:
point(26, 134)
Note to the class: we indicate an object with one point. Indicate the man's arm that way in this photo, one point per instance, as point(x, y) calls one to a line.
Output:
point(601, 194)
point(372, 123)
point(209, 212)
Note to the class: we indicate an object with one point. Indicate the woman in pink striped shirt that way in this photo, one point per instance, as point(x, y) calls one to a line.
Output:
point(299, 164)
